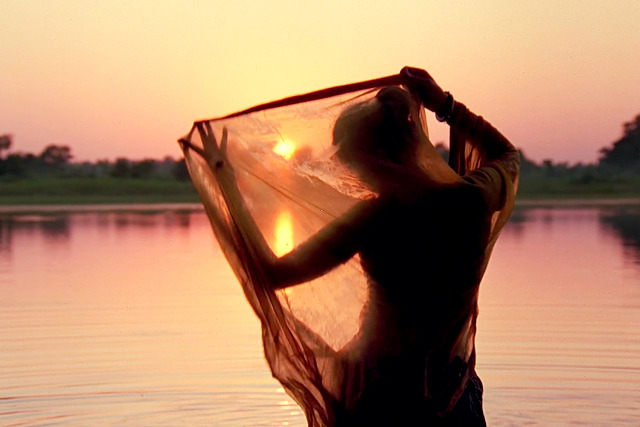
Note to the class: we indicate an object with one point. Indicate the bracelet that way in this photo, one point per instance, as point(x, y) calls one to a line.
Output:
point(444, 113)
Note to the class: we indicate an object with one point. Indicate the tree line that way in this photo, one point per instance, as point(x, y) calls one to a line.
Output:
point(618, 161)
point(57, 160)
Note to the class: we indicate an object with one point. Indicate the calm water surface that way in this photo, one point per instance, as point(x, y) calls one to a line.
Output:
point(135, 318)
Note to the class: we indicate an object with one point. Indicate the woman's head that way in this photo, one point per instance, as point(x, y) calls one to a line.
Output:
point(377, 132)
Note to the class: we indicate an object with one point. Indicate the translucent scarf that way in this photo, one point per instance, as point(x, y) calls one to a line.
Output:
point(293, 185)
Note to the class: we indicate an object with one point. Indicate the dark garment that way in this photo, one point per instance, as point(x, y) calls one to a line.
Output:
point(397, 398)
point(468, 410)
point(466, 413)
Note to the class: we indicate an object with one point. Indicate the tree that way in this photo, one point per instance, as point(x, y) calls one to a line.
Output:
point(56, 155)
point(528, 166)
point(625, 152)
point(5, 143)
point(180, 171)
point(14, 165)
point(143, 168)
point(120, 168)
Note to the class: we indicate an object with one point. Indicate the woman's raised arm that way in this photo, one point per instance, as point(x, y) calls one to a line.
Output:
point(330, 247)
point(501, 158)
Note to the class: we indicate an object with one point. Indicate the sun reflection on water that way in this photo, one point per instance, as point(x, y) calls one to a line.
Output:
point(283, 233)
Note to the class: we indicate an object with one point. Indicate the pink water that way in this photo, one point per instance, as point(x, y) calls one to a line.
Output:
point(134, 318)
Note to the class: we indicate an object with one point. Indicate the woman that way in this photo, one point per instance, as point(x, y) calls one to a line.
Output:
point(423, 243)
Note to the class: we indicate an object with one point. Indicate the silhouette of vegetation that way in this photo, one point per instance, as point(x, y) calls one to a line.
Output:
point(5, 143)
point(624, 155)
point(56, 161)
point(121, 168)
point(617, 173)
point(53, 176)
point(56, 155)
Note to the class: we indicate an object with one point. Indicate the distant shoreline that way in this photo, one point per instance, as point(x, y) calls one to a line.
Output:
point(104, 207)
point(576, 202)
point(89, 207)
point(82, 194)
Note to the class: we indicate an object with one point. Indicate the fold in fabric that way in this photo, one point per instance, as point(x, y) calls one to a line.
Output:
point(333, 341)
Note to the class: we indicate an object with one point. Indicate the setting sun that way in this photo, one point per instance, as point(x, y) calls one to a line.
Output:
point(285, 148)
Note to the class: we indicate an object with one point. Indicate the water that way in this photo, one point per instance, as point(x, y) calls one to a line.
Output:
point(134, 318)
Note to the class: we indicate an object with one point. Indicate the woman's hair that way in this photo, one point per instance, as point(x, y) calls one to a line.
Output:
point(381, 128)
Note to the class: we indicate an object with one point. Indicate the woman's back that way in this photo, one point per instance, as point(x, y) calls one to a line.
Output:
point(422, 248)
point(423, 251)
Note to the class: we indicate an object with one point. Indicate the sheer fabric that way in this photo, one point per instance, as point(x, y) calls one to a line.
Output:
point(328, 339)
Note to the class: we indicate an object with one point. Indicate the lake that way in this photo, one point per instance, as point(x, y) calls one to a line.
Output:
point(133, 317)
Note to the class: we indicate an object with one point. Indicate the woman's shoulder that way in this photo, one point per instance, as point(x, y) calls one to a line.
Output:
point(486, 185)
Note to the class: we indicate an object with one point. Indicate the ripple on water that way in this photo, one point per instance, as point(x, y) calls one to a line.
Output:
point(138, 321)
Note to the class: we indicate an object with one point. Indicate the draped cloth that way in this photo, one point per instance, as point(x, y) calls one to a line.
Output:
point(331, 339)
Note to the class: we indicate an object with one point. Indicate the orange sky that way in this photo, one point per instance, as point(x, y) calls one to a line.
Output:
point(127, 78)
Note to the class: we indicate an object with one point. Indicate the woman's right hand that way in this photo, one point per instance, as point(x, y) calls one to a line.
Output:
point(215, 154)
point(421, 83)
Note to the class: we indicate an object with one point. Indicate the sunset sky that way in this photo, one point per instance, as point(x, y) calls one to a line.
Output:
point(127, 78)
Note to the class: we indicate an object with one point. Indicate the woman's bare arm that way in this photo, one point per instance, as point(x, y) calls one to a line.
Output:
point(502, 159)
point(486, 138)
point(335, 244)
point(330, 247)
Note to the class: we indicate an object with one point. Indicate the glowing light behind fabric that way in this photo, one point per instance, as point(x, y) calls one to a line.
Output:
point(293, 185)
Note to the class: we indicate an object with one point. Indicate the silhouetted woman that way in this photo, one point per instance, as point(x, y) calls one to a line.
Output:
point(424, 244)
